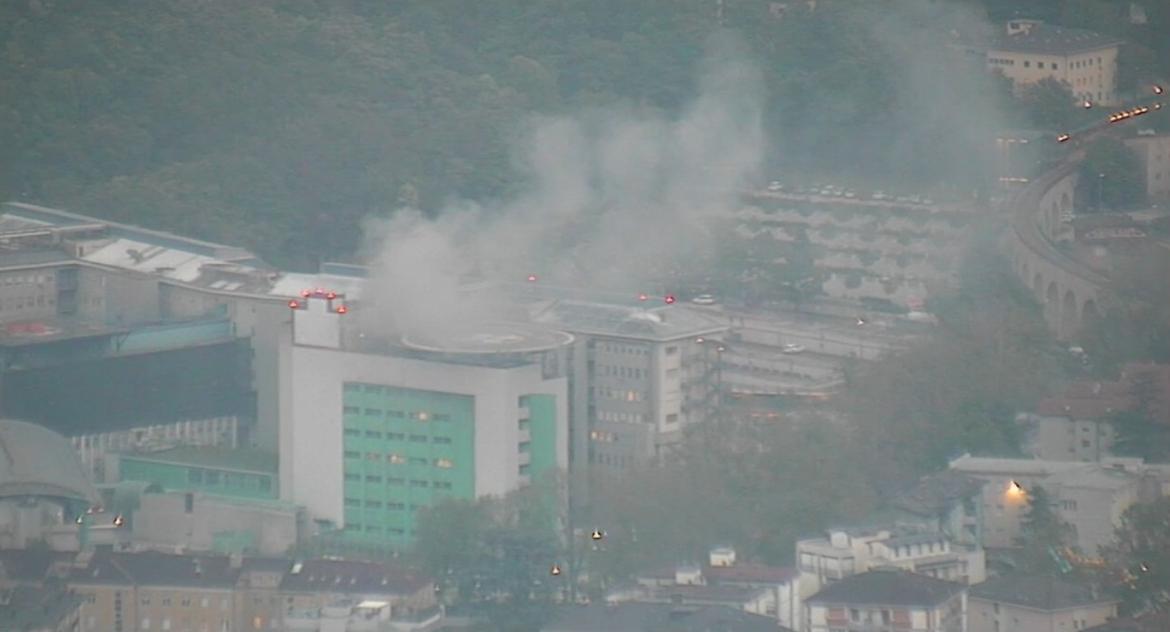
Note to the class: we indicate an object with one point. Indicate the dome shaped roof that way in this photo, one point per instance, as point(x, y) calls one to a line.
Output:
point(35, 461)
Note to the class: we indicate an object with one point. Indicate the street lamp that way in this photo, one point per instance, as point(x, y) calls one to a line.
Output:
point(1100, 184)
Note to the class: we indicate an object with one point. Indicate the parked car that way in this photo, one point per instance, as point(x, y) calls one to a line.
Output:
point(703, 299)
point(792, 348)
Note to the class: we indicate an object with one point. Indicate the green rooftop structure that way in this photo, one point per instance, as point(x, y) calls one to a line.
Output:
point(240, 473)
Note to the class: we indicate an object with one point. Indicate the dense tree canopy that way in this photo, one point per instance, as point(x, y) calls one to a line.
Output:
point(279, 125)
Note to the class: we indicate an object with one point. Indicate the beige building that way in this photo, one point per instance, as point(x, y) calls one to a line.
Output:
point(844, 553)
point(141, 592)
point(1036, 604)
point(1075, 425)
point(1154, 152)
point(1089, 497)
point(1029, 51)
point(878, 601)
point(188, 521)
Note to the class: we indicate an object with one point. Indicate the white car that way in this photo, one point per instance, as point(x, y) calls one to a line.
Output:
point(792, 348)
point(703, 299)
point(775, 186)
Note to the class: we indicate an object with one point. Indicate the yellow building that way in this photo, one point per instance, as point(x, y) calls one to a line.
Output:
point(149, 591)
point(1029, 51)
point(125, 592)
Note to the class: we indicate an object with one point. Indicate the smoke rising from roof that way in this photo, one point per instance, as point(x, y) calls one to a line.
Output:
point(614, 193)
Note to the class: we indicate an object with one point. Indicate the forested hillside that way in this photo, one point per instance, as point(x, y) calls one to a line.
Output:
point(278, 125)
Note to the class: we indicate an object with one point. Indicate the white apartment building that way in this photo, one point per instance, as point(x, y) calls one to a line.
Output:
point(887, 600)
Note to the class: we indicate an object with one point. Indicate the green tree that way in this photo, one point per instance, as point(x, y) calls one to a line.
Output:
point(1043, 535)
point(1049, 104)
point(1110, 177)
point(1138, 561)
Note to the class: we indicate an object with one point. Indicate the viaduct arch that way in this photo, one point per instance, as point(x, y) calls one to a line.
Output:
point(1070, 292)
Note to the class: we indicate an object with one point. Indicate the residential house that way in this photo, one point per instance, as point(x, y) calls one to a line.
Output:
point(1075, 425)
point(847, 552)
point(127, 592)
point(316, 586)
point(887, 600)
point(1036, 604)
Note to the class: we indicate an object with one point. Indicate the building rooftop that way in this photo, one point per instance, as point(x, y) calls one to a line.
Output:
point(1037, 592)
point(750, 573)
point(351, 576)
point(911, 538)
point(936, 493)
point(645, 617)
point(1098, 400)
point(150, 568)
point(888, 588)
point(660, 323)
point(1152, 622)
point(240, 459)
point(728, 594)
point(1047, 39)
point(1094, 476)
point(1008, 467)
point(35, 461)
point(494, 338)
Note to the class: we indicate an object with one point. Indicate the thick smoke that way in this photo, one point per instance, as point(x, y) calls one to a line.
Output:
point(614, 194)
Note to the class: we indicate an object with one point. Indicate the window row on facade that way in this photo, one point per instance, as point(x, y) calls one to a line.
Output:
point(399, 459)
point(396, 436)
point(414, 415)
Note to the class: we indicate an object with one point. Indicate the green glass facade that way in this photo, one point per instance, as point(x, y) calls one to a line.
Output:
point(209, 477)
point(542, 429)
point(404, 449)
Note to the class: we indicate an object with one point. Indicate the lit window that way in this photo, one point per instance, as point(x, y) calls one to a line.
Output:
point(446, 464)
point(397, 459)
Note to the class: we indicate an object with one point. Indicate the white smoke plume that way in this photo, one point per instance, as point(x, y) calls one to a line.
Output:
point(614, 193)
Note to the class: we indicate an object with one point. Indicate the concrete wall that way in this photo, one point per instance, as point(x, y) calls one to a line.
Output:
point(162, 521)
point(1064, 439)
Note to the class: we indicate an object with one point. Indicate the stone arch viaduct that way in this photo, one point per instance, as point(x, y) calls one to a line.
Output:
point(1070, 292)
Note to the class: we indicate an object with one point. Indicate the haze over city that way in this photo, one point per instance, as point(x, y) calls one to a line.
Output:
point(585, 315)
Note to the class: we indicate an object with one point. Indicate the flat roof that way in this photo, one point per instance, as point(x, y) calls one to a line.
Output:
point(659, 324)
point(493, 338)
point(42, 330)
point(241, 459)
